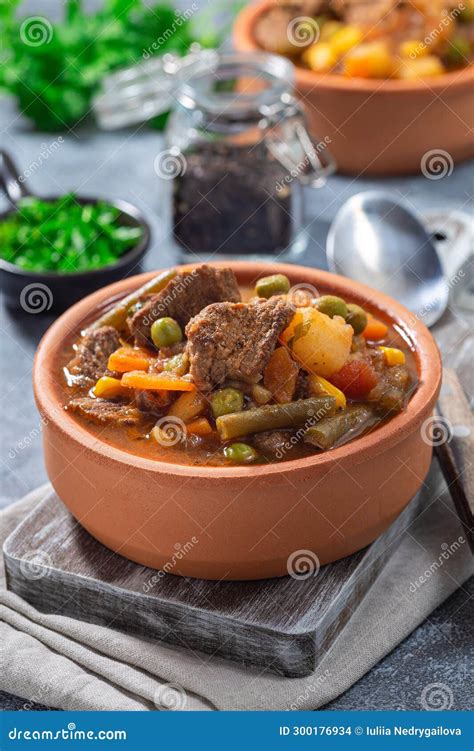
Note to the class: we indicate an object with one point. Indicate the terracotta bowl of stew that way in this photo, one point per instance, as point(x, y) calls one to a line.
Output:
point(237, 522)
point(376, 126)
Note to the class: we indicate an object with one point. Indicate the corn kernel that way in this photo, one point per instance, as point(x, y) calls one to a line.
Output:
point(320, 57)
point(413, 48)
point(328, 30)
point(371, 60)
point(344, 39)
point(110, 388)
point(422, 67)
point(393, 356)
point(321, 387)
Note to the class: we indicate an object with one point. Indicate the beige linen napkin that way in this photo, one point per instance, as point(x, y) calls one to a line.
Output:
point(68, 664)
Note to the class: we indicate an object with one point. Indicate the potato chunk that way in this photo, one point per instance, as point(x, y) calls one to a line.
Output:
point(320, 344)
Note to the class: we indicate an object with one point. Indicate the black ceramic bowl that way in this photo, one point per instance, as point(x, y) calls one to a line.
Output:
point(41, 292)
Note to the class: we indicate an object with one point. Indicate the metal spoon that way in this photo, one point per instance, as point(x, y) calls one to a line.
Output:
point(378, 240)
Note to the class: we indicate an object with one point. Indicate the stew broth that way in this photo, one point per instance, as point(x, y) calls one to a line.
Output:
point(147, 421)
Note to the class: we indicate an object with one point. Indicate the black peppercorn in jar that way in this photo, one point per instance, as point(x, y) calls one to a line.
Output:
point(238, 151)
point(242, 154)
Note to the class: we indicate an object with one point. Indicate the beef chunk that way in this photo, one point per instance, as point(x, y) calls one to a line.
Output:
point(92, 354)
point(153, 402)
point(234, 341)
point(105, 412)
point(364, 12)
point(274, 31)
point(274, 443)
point(183, 297)
point(392, 391)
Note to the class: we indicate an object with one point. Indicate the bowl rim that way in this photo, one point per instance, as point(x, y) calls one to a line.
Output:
point(244, 40)
point(385, 436)
point(132, 254)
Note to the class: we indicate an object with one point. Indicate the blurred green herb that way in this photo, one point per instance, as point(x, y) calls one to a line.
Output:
point(54, 69)
point(64, 236)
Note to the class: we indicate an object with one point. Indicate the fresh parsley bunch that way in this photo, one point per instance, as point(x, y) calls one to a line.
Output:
point(54, 69)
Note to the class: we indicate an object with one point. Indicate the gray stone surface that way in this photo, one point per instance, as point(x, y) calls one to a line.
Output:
point(121, 165)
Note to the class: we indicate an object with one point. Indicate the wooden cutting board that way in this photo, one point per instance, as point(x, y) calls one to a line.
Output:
point(283, 625)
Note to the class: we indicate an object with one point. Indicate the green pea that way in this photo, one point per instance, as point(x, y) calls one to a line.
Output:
point(278, 284)
point(458, 51)
point(467, 14)
point(165, 332)
point(226, 401)
point(332, 306)
point(240, 453)
point(357, 317)
point(178, 364)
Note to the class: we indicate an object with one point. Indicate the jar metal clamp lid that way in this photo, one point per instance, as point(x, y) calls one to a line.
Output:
point(140, 92)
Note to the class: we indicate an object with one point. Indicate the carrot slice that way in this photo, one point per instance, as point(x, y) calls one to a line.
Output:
point(201, 426)
point(375, 329)
point(137, 379)
point(126, 359)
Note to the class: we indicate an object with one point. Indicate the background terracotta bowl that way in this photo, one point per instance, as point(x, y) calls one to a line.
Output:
point(242, 522)
point(380, 127)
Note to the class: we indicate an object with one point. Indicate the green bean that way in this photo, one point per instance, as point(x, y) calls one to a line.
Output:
point(332, 306)
point(356, 317)
point(240, 453)
point(225, 401)
point(466, 14)
point(165, 332)
point(272, 416)
point(277, 284)
point(117, 315)
point(331, 430)
point(458, 51)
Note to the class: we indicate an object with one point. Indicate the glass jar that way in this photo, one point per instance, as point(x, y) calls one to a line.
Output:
point(242, 154)
point(238, 151)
